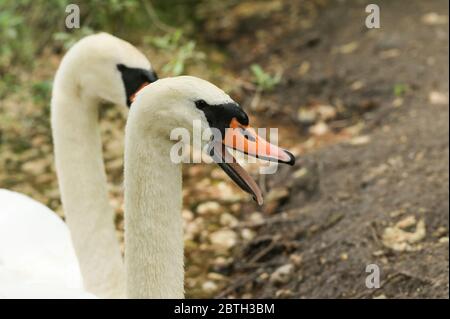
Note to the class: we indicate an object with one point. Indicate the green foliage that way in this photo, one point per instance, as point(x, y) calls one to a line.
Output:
point(263, 80)
point(9, 25)
point(169, 41)
point(11, 31)
point(69, 39)
point(8, 85)
point(42, 91)
point(27, 27)
point(400, 89)
point(182, 50)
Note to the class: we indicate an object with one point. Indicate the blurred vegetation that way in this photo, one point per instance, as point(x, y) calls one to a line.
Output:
point(400, 89)
point(181, 50)
point(27, 27)
point(263, 80)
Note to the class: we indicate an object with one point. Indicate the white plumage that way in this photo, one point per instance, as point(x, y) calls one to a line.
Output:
point(39, 256)
point(37, 259)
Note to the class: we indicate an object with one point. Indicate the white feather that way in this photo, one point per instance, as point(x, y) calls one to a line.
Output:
point(37, 259)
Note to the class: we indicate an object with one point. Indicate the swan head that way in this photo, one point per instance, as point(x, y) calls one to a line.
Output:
point(179, 102)
point(105, 68)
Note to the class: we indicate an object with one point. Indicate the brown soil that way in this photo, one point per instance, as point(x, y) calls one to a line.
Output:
point(332, 223)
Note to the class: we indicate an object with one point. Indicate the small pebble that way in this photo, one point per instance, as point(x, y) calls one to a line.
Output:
point(225, 238)
point(282, 274)
point(209, 286)
point(208, 208)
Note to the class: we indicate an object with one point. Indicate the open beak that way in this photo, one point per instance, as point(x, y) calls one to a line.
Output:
point(244, 139)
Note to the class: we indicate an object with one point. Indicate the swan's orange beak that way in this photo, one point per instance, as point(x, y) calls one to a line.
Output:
point(244, 139)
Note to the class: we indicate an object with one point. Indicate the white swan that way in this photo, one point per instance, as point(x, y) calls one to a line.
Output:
point(153, 237)
point(153, 197)
point(36, 254)
point(37, 259)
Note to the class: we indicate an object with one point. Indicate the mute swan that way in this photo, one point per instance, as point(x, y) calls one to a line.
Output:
point(37, 258)
point(153, 197)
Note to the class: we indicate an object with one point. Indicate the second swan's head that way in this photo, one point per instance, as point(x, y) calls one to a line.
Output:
point(102, 67)
point(179, 102)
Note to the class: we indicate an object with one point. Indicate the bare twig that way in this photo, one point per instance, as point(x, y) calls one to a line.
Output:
point(280, 218)
point(238, 283)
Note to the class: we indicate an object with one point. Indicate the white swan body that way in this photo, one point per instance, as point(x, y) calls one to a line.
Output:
point(98, 68)
point(153, 225)
point(37, 259)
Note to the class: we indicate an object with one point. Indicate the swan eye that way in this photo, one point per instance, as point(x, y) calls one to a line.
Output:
point(201, 104)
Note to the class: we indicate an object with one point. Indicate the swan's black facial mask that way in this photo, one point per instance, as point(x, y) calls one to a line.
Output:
point(135, 79)
point(232, 122)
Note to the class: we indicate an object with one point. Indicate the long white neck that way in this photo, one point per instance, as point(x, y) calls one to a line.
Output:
point(83, 185)
point(153, 222)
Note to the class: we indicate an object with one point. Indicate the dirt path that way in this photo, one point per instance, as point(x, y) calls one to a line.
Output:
point(381, 198)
